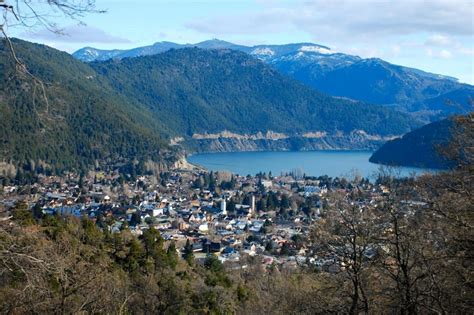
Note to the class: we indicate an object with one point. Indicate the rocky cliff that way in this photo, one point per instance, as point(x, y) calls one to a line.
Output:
point(228, 142)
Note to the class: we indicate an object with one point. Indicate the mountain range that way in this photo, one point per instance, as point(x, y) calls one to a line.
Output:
point(427, 96)
point(133, 107)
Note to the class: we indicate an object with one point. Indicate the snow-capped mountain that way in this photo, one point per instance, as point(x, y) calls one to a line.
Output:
point(89, 54)
point(371, 80)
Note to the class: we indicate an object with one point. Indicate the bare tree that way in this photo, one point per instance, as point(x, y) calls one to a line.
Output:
point(461, 146)
point(402, 259)
point(33, 13)
point(347, 234)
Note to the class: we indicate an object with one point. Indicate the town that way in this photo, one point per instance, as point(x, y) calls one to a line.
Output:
point(265, 218)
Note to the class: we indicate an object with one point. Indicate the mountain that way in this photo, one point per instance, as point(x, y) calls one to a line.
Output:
point(263, 52)
point(128, 109)
point(216, 44)
point(198, 92)
point(443, 144)
point(79, 120)
point(370, 80)
point(379, 82)
point(89, 54)
point(460, 100)
point(418, 148)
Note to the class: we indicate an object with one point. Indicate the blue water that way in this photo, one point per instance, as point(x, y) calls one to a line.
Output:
point(314, 163)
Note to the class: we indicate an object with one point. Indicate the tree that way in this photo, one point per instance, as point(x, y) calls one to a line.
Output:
point(231, 206)
point(261, 205)
point(55, 275)
point(213, 264)
point(81, 181)
point(135, 219)
point(348, 232)
point(461, 145)
point(188, 253)
point(212, 181)
point(171, 255)
point(285, 249)
point(285, 201)
point(217, 274)
point(133, 258)
point(22, 214)
point(153, 244)
point(37, 211)
point(432, 243)
point(29, 14)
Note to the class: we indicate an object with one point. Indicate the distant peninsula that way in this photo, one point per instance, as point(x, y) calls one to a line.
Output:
point(418, 148)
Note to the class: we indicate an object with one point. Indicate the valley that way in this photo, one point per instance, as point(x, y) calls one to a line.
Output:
point(268, 174)
point(130, 109)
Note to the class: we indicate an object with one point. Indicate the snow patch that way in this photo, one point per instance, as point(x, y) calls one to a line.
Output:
point(315, 49)
point(263, 51)
point(91, 52)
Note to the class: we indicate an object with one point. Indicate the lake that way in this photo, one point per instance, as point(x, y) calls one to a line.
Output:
point(314, 163)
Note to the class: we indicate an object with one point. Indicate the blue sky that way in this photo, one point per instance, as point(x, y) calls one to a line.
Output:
point(432, 35)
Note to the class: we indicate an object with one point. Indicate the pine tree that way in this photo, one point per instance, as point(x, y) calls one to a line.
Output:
point(188, 254)
point(171, 255)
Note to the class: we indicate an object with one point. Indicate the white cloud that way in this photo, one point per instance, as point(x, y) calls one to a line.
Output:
point(438, 40)
point(349, 18)
point(382, 28)
point(466, 51)
point(445, 54)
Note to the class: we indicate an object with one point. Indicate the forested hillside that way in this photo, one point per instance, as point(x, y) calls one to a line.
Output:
point(379, 82)
point(429, 96)
point(197, 91)
point(122, 109)
point(78, 120)
point(425, 147)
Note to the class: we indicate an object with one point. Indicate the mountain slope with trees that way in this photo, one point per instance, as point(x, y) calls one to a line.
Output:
point(379, 82)
point(370, 80)
point(122, 109)
point(78, 119)
point(207, 91)
point(425, 147)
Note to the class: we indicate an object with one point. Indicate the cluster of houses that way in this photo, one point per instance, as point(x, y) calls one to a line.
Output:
point(211, 221)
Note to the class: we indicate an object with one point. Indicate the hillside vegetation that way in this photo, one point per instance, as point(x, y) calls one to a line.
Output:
point(79, 119)
point(425, 147)
point(121, 110)
point(428, 96)
point(421, 265)
point(197, 91)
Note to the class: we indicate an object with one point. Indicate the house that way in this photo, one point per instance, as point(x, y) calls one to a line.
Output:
point(158, 211)
point(162, 223)
point(267, 184)
point(203, 227)
point(180, 224)
point(211, 247)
